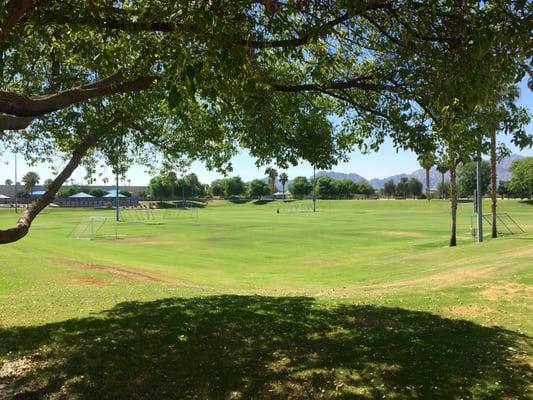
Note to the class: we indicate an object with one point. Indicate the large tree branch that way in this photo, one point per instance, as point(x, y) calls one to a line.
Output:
point(23, 225)
point(119, 19)
point(8, 122)
point(304, 38)
point(15, 10)
point(21, 105)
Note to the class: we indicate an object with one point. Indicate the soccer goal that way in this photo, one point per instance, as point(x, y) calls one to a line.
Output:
point(179, 212)
point(506, 225)
point(88, 227)
point(300, 206)
point(137, 214)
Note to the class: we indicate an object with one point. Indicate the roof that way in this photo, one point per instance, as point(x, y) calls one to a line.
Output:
point(81, 195)
point(114, 194)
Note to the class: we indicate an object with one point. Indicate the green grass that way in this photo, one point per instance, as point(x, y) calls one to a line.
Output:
point(361, 300)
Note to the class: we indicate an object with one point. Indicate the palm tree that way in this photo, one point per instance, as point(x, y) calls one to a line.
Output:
point(129, 182)
point(283, 178)
point(442, 166)
point(30, 180)
point(9, 182)
point(492, 124)
point(272, 175)
point(427, 161)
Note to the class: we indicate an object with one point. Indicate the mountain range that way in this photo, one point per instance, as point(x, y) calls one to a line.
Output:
point(420, 174)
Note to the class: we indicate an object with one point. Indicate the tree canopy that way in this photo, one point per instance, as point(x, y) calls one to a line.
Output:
point(522, 180)
point(126, 81)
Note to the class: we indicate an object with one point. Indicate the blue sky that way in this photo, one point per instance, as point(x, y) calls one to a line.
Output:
point(386, 162)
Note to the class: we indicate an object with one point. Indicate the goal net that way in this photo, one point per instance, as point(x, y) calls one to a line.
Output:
point(88, 227)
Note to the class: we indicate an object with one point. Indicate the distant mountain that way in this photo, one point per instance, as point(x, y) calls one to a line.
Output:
point(340, 175)
point(503, 167)
point(434, 175)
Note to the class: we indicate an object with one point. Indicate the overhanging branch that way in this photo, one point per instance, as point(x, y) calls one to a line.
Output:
point(21, 105)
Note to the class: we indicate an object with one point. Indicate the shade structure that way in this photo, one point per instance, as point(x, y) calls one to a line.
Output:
point(80, 195)
point(114, 195)
point(3, 196)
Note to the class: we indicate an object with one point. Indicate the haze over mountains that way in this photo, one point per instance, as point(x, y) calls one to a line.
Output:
point(420, 174)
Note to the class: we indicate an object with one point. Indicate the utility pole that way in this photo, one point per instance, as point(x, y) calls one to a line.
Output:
point(479, 200)
point(117, 200)
point(16, 186)
point(314, 189)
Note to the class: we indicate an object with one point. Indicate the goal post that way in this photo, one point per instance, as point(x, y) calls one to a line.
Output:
point(87, 228)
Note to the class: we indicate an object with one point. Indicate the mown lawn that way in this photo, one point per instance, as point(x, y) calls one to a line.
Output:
point(361, 300)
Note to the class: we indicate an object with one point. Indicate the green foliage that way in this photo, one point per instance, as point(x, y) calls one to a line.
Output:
point(389, 189)
point(300, 187)
point(170, 186)
point(365, 188)
point(272, 175)
point(217, 188)
point(402, 188)
point(258, 188)
point(234, 186)
point(415, 187)
point(98, 192)
point(467, 178)
point(427, 160)
point(344, 188)
point(504, 189)
point(71, 190)
point(521, 184)
point(325, 187)
point(30, 180)
point(443, 190)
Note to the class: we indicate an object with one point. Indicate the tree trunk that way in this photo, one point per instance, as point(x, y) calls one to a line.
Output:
point(23, 225)
point(493, 179)
point(453, 198)
point(428, 192)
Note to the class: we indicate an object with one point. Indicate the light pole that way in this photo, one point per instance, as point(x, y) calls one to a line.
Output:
point(16, 186)
point(314, 189)
point(117, 200)
point(479, 200)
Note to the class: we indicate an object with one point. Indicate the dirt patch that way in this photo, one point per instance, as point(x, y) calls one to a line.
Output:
point(469, 310)
point(510, 291)
point(216, 202)
point(438, 280)
point(143, 240)
point(15, 368)
point(127, 274)
point(87, 281)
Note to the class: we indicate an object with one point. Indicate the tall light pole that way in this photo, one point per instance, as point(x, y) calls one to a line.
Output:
point(479, 200)
point(16, 186)
point(117, 200)
point(314, 189)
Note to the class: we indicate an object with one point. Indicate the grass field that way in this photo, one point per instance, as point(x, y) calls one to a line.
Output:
point(362, 300)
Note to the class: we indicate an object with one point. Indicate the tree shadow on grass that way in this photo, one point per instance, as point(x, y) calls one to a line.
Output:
point(244, 347)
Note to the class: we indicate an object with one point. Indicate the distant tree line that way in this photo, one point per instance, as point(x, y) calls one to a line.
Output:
point(406, 188)
point(169, 186)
